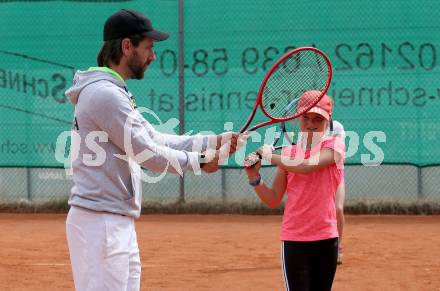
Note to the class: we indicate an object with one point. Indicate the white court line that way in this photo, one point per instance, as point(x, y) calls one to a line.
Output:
point(62, 265)
point(48, 264)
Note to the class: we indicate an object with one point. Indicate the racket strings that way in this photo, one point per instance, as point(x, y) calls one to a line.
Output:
point(301, 72)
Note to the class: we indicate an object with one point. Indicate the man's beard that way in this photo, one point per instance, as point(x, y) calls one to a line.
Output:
point(137, 68)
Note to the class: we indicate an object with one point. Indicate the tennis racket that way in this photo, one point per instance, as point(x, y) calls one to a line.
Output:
point(298, 71)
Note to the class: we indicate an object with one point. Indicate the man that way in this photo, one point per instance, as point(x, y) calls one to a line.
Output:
point(112, 138)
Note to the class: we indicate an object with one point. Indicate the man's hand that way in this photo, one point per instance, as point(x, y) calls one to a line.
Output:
point(211, 163)
point(227, 144)
point(235, 141)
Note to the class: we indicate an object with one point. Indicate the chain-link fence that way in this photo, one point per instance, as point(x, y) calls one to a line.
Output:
point(382, 185)
point(384, 57)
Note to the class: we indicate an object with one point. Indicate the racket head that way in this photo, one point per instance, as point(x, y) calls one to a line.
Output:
point(300, 71)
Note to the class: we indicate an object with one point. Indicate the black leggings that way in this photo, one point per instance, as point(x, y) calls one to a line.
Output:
point(309, 266)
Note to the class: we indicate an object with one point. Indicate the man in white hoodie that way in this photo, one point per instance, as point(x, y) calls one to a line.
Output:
point(111, 139)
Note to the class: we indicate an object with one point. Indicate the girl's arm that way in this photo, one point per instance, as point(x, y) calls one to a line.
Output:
point(271, 196)
point(323, 159)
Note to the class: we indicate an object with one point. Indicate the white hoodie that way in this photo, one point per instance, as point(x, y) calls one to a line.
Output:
point(106, 172)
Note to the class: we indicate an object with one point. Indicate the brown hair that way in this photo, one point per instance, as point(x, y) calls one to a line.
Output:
point(111, 50)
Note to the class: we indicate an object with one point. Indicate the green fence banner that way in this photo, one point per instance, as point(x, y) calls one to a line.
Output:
point(384, 56)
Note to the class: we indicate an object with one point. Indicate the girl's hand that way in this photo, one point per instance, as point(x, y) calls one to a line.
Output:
point(252, 165)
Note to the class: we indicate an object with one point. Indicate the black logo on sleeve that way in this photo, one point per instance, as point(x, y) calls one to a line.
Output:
point(75, 125)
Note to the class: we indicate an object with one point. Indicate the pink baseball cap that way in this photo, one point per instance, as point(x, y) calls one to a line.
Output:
point(324, 107)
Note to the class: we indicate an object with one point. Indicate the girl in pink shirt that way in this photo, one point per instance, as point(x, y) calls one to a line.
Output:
point(309, 173)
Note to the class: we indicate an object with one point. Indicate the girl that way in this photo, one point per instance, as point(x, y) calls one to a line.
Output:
point(309, 173)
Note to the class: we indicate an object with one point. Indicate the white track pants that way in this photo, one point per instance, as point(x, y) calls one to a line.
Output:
point(103, 251)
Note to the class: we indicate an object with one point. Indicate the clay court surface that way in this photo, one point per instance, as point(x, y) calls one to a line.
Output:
point(227, 252)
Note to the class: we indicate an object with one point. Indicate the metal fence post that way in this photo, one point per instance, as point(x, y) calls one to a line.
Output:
point(28, 184)
point(223, 171)
point(181, 93)
point(419, 183)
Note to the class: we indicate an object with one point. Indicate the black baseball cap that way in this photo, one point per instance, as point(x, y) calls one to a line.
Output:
point(125, 23)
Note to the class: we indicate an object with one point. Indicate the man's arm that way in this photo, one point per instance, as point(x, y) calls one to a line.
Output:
point(196, 142)
point(112, 112)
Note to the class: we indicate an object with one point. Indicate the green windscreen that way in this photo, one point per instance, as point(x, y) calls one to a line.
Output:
point(384, 55)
